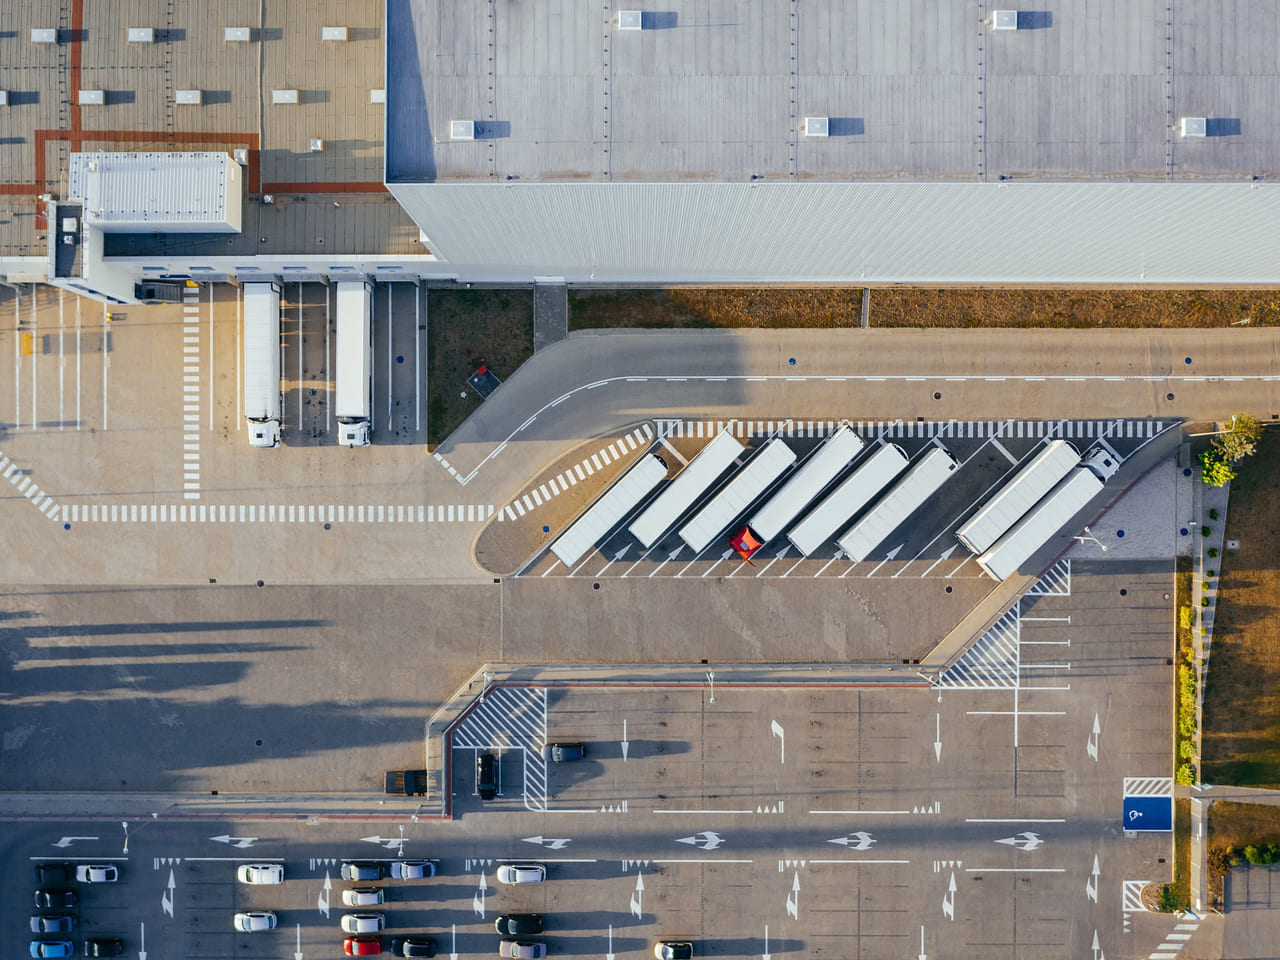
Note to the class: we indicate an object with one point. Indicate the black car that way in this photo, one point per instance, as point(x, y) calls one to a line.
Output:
point(413, 947)
point(516, 924)
point(486, 776)
point(363, 870)
point(103, 947)
point(564, 752)
point(55, 899)
point(51, 874)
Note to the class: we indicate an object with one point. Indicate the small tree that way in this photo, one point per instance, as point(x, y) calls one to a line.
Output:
point(1240, 440)
point(1216, 470)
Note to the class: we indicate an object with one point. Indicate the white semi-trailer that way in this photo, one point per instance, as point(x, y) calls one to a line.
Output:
point(906, 497)
point(773, 460)
point(262, 363)
point(353, 398)
point(823, 466)
point(1046, 518)
point(843, 503)
point(1011, 503)
point(679, 496)
point(603, 515)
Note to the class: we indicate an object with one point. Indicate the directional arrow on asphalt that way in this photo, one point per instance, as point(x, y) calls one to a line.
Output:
point(1092, 746)
point(609, 954)
point(766, 955)
point(626, 744)
point(887, 557)
point(777, 731)
point(241, 842)
point(949, 901)
point(142, 941)
point(793, 898)
point(389, 842)
point(707, 840)
point(937, 741)
point(1091, 886)
point(322, 901)
point(923, 955)
point(68, 841)
point(1023, 841)
point(557, 844)
point(950, 551)
point(637, 900)
point(855, 841)
point(477, 902)
point(166, 898)
point(621, 553)
point(453, 947)
point(297, 950)
point(1097, 950)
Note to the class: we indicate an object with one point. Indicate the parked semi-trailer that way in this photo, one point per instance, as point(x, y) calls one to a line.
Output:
point(353, 397)
point(773, 460)
point(679, 496)
point(262, 363)
point(906, 497)
point(843, 503)
point(1015, 498)
point(823, 466)
point(603, 515)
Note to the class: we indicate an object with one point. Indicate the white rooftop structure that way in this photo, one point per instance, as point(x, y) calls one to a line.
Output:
point(169, 192)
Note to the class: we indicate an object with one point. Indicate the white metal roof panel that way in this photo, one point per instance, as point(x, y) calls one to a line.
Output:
point(157, 192)
point(907, 496)
point(702, 471)
point(1033, 531)
point(585, 532)
point(1019, 495)
point(853, 493)
point(814, 474)
point(765, 467)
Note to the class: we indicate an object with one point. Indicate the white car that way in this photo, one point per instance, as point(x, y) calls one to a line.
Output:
point(255, 921)
point(260, 873)
point(362, 922)
point(521, 873)
point(362, 896)
point(97, 873)
point(412, 869)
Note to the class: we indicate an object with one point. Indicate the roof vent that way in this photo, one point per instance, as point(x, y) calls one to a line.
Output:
point(317, 144)
point(4, 98)
point(462, 129)
point(630, 20)
point(334, 33)
point(44, 36)
point(1193, 126)
point(142, 35)
point(236, 35)
point(284, 96)
point(187, 96)
point(377, 96)
point(240, 155)
point(1004, 20)
point(817, 126)
point(94, 97)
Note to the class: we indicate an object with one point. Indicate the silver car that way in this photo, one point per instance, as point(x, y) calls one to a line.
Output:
point(412, 869)
point(362, 896)
point(97, 873)
point(362, 922)
point(522, 949)
point(254, 921)
point(260, 873)
point(521, 873)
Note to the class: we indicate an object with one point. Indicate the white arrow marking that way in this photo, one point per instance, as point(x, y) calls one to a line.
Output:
point(941, 558)
point(166, 898)
point(1092, 746)
point(556, 844)
point(616, 557)
point(477, 902)
point(793, 898)
point(823, 569)
point(723, 557)
point(389, 842)
point(453, 946)
point(297, 950)
point(776, 727)
point(626, 744)
point(707, 840)
point(637, 901)
point(887, 557)
point(241, 842)
point(923, 955)
point(1097, 950)
point(322, 901)
point(949, 901)
point(142, 941)
point(1091, 886)
point(937, 741)
point(609, 954)
point(766, 955)
point(1023, 841)
point(855, 841)
point(67, 841)
point(671, 556)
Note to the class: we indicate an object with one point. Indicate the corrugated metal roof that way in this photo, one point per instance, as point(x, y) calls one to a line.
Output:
point(1103, 233)
point(156, 191)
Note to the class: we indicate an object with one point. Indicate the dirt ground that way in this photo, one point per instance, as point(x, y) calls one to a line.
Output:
point(920, 307)
point(1241, 738)
point(464, 329)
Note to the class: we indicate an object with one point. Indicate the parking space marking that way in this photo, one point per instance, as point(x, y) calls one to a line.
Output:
point(30, 491)
point(511, 718)
point(270, 513)
point(992, 662)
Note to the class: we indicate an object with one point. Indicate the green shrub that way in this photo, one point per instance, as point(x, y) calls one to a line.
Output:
point(1168, 901)
point(1213, 551)
point(1216, 471)
point(1186, 776)
point(1187, 750)
point(1213, 514)
point(1206, 585)
point(1206, 530)
point(1262, 856)
point(1211, 573)
point(1186, 616)
point(1204, 601)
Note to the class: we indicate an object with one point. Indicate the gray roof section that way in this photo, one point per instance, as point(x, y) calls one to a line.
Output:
point(1098, 233)
point(718, 90)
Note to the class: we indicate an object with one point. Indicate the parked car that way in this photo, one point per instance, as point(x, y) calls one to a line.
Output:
point(255, 921)
point(521, 873)
point(362, 896)
point(362, 870)
point(362, 946)
point(52, 874)
point(52, 923)
point(362, 922)
point(522, 949)
point(261, 873)
point(55, 899)
point(413, 947)
point(673, 950)
point(412, 870)
point(486, 776)
point(52, 948)
point(103, 947)
point(564, 752)
point(518, 924)
point(97, 873)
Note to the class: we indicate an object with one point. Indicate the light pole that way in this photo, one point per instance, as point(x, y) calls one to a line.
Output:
point(711, 679)
point(1088, 535)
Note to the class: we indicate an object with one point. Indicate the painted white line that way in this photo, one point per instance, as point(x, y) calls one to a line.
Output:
point(1012, 820)
point(693, 860)
point(704, 811)
point(863, 813)
point(1015, 869)
point(857, 862)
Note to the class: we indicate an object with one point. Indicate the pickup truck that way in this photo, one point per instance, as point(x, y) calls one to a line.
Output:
point(407, 783)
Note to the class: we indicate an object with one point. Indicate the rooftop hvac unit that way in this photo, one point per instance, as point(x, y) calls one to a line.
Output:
point(142, 35)
point(462, 129)
point(630, 20)
point(187, 96)
point(240, 155)
point(284, 96)
point(1004, 20)
point(333, 33)
point(817, 126)
point(70, 224)
point(236, 35)
point(316, 144)
point(1193, 126)
point(377, 96)
point(94, 97)
point(44, 36)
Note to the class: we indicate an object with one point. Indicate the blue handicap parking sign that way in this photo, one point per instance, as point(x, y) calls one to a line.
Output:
point(1148, 813)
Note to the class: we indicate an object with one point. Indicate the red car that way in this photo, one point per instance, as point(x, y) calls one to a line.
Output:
point(362, 946)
